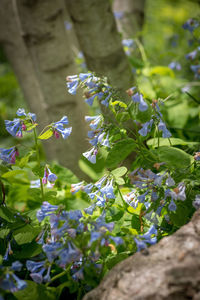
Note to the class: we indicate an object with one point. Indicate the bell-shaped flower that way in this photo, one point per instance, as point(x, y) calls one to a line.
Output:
point(91, 155)
point(165, 132)
point(146, 128)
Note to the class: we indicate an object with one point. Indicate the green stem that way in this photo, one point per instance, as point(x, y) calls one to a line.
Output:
point(38, 161)
point(58, 276)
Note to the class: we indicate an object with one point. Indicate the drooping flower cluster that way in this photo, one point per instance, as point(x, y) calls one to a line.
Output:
point(59, 128)
point(191, 25)
point(148, 238)
point(9, 155)
point(154, 188)
point(156, 119)
point(24, 123)
point(61, 242)
point(99, 193)
point(9, 281)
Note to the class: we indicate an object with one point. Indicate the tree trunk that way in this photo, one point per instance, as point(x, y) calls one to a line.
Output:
point(132, 19)
point(36, 44)
point(170, 270)
point(100, 42)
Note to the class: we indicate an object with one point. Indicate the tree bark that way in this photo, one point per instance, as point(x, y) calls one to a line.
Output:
point(100, 42)
point(132, 18)
point(35, 41)
point(169, 271)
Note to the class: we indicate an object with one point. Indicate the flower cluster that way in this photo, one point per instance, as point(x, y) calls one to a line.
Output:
point(159, 189)
point(9, 155)
point(23, 123)
point(9, 281)
point(59, 128)
point(191, 25)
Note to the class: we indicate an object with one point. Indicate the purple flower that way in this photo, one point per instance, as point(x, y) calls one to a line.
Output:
point(46, 210)
point(68, 25)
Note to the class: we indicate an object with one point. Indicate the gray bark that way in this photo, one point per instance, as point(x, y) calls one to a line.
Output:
point(133, 16)
point(35, 41)
point(99, 40)
point(171, 270)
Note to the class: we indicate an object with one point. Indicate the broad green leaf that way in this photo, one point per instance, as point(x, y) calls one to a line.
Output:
point(120, 181)
point(174, 157)
point(4, 232)
point(36, 291)
point(24, 160)
point(46, 135)
point(112, 260)
point(28, 250)
point(25, 234)
point(13, 173)
point(119, 152)
point(6, 214)
point(166, 142)
point(135, 222)
point(119, 172)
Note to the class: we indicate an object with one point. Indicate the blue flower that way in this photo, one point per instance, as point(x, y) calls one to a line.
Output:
point(190, 25)
point(108, 190)
point(165, 132)
point(127, 43)
point(172, 206)
point(46, 210)
point(72, 84)
point(146, 128)
point(196, 202)
point(94, 121)
point(9, 155)
point(16, 266)
point(118, 14)
point(59, 127)
point(14, 127)
point(196, 70)
point(91, 155)
point(68, 25)
point(174, 66)
point(191, 55)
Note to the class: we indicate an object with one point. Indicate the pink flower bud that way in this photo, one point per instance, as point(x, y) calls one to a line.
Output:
point(56, 134)
point(23, 127)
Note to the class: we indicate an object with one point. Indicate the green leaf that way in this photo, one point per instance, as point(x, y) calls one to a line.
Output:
point(37, 292)
point(30, 125)
point(24, 160)
point(161, 70)
point(135, 222)
point(119, 172)
point(4, 232)
point(25, 234)
point(12, 174)
point(174, 157)
point(166, 142)
point(112, 260)
point(46, 135)
point(120, 103)
point(28, 250)
point(119, 152)
point(120, 181)
point(6, 214)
